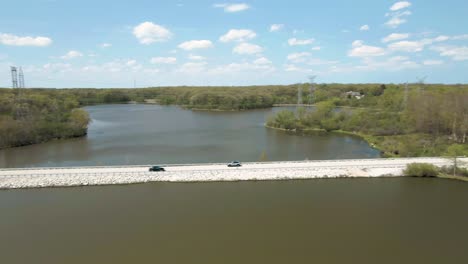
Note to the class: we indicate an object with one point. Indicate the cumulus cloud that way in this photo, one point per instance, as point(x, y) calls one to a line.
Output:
point(397, 18)
point(276, 27)
point(71, 55)
point(298, 57)
point(432, 62)
point(196, 44)
point(454, 52)
point(192, 67)
point(247, 48)
point(196, 57)
point(460, 37)
point(361, 50)
point(395, 36)
point(262, 61)
point(407, 46)
point(105, 45)
point(316, 48)
point(163, 60)
point(299, 42)
point(12, 40)
point(232, 8)
point(239, 35)
point(415, 46)
point(364, 28)
point(148, 32)
point(400, 5)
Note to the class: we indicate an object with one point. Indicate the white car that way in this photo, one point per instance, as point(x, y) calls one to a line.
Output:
point(234, 164)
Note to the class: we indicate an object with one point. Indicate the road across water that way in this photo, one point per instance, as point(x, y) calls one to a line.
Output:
point(80, 176)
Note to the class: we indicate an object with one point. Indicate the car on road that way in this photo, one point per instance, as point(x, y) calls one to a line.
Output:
point(156, 168)
point(234, 164)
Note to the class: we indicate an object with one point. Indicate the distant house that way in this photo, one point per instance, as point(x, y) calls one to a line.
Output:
point(352, 94)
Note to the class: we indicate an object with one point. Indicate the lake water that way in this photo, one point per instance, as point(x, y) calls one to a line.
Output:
point(152, 134)
point(399, 220)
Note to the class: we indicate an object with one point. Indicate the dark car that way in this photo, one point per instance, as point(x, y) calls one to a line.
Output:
point(156, 168)
point(234, 164)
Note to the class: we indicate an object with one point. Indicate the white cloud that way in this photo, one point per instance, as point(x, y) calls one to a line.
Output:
point(131, 63)
point(316, 48)
point(239, 35)
point(407, 46)
point(71, 55)
point(361, 50)
point(196, 44)
point(148, 32)
point(232, 8)
point(276, 27)
point(397, 18)
point(395, 36)
point(432, 62)
point(196, 57)
point(247, 48)
point(192, 67)
point(297, 42)
point(105, 45)
point(298, 57)
point(454, 52)
point(460, 37)
point(400, 5)
point(262, 61)
point(441, 38)
point(163, 60)
point(294, 68)
point(364, 28)
point(12, 40)
point(261, 65)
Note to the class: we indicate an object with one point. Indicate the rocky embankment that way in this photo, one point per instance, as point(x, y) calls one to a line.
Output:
point(83, 176)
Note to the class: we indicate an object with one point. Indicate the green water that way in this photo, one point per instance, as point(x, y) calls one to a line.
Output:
point(404, 220)
point(152, 134)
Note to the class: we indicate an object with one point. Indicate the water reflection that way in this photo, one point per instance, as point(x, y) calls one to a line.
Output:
point(148, 134)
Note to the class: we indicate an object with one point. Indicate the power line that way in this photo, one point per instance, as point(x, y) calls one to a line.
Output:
point(14, 77)
point(21, 78)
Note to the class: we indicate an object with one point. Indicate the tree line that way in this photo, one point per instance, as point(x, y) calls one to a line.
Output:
point(433, 113)
point(417, 121)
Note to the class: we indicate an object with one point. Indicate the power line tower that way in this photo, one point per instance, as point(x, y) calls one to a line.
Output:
point(312, 89)
point(21, 78)
point(14, 77)
point(299, 95)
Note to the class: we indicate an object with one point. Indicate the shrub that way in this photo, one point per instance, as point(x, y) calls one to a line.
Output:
point(421, 170)
point(459, 171)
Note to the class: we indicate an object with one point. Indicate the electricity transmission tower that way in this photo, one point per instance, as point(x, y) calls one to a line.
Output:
point(299, 95)
point(312, 89)
point(21, 78)
point(14, 77)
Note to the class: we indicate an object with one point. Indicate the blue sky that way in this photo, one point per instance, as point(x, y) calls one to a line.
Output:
point(157, 43)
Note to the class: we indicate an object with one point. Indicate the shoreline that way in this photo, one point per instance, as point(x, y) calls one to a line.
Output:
point(320, 130)
point(251, 171)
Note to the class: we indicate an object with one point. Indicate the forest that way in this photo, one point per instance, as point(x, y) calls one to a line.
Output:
point(422, 120)
point(414, 121)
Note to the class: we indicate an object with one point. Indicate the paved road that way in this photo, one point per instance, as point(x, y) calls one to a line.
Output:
point(76, 176)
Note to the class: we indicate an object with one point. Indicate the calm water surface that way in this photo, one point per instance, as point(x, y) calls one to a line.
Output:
point(404, 220)
point(151, 134)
